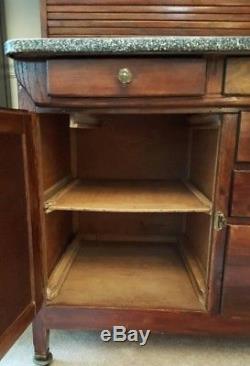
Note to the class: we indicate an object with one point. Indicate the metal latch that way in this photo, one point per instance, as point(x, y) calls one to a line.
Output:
point(220, 221)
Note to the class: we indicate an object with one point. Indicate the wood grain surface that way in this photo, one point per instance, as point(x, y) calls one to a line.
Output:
point(97, 77)
point(128, 196)
point(161, 17)
point(236, 290)
point(243, 154)
point(241, 199)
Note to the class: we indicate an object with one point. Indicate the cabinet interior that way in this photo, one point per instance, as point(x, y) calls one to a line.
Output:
point(129, 209)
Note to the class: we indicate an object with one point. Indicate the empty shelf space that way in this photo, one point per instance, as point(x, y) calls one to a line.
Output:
point(128, 196)
point(124, 275)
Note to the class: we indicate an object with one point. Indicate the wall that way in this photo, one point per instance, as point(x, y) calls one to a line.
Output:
point(22, 20)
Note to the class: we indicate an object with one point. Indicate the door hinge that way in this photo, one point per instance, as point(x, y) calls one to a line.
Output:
point(48, 206)
point(220, 221)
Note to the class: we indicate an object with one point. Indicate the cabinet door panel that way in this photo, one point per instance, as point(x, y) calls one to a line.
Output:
point(17, 272)
point(244, 138)
point(237, 79)
point(241, 199)
point(236, 292)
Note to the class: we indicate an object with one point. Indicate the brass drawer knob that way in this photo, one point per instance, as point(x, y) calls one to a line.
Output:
point(125, 76)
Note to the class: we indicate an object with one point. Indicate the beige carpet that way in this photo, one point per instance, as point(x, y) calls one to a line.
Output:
point(86, 349)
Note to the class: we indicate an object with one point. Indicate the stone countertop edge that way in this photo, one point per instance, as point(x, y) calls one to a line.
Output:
point(90, 46)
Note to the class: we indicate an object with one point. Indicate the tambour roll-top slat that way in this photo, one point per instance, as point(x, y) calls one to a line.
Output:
point(73, 18)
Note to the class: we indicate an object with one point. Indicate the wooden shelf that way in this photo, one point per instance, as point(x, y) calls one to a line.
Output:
point(123, 275)
point(128, 196)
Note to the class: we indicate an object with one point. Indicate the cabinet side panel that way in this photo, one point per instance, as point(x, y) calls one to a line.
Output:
point(198, 239)
point(55, 157)
point(59, 232)
point(55, 148)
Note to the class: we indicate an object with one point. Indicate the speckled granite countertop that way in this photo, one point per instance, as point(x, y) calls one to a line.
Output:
point(89, 46)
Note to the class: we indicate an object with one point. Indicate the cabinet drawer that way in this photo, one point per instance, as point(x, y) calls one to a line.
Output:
point(123, 77)
point(244, 138)
point(237, 79)
point(236, 291)
point(241, 194)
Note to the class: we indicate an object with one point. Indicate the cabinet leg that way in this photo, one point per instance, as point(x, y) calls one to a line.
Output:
point(42, 357)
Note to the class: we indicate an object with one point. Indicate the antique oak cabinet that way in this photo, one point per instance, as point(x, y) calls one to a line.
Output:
point(125, 175)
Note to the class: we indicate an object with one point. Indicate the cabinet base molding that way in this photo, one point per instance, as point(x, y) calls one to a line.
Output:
point(158, 321)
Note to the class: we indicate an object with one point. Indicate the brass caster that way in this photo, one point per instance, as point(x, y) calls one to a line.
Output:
point(43, 360)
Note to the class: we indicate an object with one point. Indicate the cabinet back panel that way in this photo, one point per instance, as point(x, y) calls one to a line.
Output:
point(133, 147)
point(105, 226)
point(15, 286)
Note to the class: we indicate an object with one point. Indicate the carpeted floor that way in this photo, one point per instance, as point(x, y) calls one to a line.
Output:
point(86, 349)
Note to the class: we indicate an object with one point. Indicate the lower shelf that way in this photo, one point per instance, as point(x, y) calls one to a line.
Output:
point(125, 275)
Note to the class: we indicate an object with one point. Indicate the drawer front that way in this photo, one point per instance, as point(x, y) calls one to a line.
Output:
point(243, 153)
point(237, 79)
point(236, 290)
point(241, 194)
point(126, 77)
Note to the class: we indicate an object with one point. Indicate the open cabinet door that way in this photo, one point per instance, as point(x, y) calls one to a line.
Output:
point(21, 274)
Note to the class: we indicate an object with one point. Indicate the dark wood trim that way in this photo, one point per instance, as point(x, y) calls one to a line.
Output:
point(222, 195)
point(62, 317)
point(36, 208)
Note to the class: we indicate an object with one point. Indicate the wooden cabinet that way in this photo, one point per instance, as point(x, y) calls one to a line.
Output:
point(125, 189)
point(127, 233)
point(126, 197)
